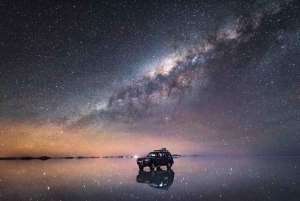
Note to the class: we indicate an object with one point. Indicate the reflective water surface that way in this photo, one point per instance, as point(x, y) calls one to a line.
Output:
point(191, 178)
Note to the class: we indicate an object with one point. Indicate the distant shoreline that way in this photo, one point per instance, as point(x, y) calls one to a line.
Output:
point(27, 158)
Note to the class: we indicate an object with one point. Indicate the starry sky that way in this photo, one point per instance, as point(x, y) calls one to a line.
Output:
point(126, 77)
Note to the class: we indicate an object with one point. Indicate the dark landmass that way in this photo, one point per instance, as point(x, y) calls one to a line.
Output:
point(117, 157)
point(68, 157)
point(8, 158)
point(84, 157)
point(44, 158)
point(26, 158)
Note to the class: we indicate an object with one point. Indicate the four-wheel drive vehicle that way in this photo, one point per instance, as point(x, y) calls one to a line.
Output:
point(155, 159)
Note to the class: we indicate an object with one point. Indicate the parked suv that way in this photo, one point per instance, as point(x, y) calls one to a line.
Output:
point(155, 159)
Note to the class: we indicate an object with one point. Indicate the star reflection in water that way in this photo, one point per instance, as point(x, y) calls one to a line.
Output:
point(207, 178)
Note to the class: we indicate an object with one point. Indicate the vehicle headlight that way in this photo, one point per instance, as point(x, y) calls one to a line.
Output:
point(147, 159)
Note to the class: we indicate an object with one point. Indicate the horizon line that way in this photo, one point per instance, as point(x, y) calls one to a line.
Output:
point(131, 156)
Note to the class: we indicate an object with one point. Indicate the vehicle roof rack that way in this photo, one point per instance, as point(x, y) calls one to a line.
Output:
point(161, 150)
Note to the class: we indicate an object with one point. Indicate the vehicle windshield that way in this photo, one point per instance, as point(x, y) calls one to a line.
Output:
point(151, 154)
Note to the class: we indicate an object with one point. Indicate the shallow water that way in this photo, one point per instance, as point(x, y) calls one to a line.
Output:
point(191, 178)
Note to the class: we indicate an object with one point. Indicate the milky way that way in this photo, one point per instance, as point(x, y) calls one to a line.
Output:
point(218, 77)
point(181, 74)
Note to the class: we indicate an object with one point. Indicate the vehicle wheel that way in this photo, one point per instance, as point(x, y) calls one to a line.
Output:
point(169, 165)
point(141, 167)
point(152, 166)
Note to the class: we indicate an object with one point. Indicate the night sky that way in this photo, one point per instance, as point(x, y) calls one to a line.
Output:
point(126, 77)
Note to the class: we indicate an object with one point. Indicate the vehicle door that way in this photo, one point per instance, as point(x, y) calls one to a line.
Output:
point(164, 159)
point(159, 160)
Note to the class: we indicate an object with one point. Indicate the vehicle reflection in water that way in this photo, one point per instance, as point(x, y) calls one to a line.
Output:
point(159, 179)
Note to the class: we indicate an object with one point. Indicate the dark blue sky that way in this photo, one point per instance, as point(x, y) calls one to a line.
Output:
point(207, 77)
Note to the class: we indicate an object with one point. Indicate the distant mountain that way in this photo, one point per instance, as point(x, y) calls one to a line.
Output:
point(117, 157)
point(44, 158)
point(83, 157)
point(26, 158)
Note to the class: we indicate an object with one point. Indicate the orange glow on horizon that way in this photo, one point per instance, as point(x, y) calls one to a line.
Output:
point(22, 139)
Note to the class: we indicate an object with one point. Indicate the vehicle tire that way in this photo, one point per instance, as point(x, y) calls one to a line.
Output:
point(152, 166)
point(169, 165)
point(141, 167)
